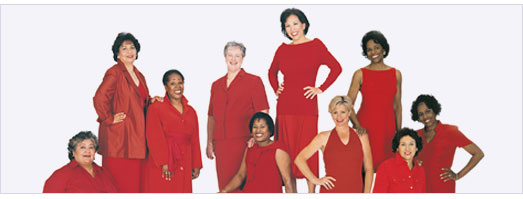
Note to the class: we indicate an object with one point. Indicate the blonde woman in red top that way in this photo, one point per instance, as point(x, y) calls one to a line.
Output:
point(297, 107)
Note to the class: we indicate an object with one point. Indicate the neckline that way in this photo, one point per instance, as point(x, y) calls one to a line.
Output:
point(339, 138)
point(378, 70)
point(304, 43)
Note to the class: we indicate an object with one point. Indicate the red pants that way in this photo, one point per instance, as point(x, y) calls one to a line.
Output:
point(229, 155)
point(126, 173)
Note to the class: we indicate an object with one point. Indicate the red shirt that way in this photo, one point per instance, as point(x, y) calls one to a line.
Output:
point(439, 153)
point(263, 175)
point(232, 107)
point(73, 178)
point(394, 176)
point(299, 65)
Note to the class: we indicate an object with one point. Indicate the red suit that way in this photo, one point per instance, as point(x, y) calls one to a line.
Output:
point(122, 145)
point(394, 176)
point(376, 113)
point(232, 108)
point(72, 178)
point(173, 139)
point(263, 175)
point(343, 163)
point(438, 154)
point(297, 117)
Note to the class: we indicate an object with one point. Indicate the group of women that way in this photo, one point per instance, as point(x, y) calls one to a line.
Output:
point(151, 144)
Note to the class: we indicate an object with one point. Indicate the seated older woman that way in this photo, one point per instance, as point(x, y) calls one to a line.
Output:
point(264, 165)
point(402, 174)
point(81, 174)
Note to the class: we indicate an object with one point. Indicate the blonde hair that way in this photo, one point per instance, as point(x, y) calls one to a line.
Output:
point(340, 100)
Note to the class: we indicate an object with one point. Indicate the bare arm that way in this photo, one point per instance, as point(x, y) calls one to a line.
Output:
point(397, 101)
point(316, 144)
point(237, 179)
point(477, 155)
point(367, 162)
point(355, 86)
point(210, 135)
point(284, 165)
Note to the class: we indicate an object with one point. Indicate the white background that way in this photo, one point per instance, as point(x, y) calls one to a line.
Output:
point(53, 58)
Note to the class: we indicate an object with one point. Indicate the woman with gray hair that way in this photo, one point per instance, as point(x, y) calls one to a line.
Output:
point(235, 97)
point(81, 174)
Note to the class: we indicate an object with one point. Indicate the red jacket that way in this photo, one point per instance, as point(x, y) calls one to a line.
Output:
point(119, 93)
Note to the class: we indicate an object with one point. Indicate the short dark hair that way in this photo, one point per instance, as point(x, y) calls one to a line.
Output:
point(406, 132)
point(293, 11)
point(124, 36)
point(378, 38)
point(428, 100)
point(79, 137)
point(263, 116)
point(169, 73)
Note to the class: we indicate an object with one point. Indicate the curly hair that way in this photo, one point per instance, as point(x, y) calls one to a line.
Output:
point(406, 132)
point(428, 100)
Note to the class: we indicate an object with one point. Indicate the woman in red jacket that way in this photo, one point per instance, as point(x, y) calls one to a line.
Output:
point(120, 102)
point(402, 173)
point(81, 174)
point(297, 107)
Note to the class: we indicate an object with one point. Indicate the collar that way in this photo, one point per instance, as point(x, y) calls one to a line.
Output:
point(240, 74)
point(398, 160)
point(122, 67)
point(74, 164)
point(168, 102)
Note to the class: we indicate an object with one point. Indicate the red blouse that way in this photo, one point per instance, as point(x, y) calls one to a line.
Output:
point(263, 175)
point(439, 153)
point(394, 176)
point(299, 65)
point(232, 107)
point(72, 178)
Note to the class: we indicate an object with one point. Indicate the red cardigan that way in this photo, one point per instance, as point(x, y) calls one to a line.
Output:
point(118, 93)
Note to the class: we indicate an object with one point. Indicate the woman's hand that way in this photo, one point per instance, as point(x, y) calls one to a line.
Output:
point(326, 181)
point(166, 174)
point(250, 143)
point(280, 90)
point(157, 98)
point(448, 175)
point(312, 92)
point(210, 150)
point(360, 130)
point(195, 173)
point(119, 117)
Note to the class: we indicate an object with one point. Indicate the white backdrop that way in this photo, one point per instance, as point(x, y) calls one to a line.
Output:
point(53, 58)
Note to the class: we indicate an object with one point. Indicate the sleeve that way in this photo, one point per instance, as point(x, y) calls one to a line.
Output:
point(332, 63)
point(148, 100)
point(156, 142)
point(57, 183)
point(381, 183)
point(210, 111)
point(258, 95)
point(103, 98)
point(195, 145)
point(460, 140)
point(273, 71)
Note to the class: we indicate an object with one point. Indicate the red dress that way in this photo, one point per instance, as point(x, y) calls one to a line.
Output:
point(297, 117)
point(343, 163)
point(232, 108)
point(173, 140)
point(439, 153)
point(376, 113)
point(263, 175)
point(72, 178)
point(394, 176)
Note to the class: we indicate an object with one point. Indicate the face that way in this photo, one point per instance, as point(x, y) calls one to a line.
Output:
point(234, 58)
point(127, 53)
point(294, 28)
point(407, 148)
point(84, 152)
point(340, 115)
point(375, 52)
point(426, 115)
point(260, 131)
point(174, 87)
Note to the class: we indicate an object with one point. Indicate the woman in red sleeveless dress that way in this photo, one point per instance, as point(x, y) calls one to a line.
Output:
point(380, 85)
point(344, 154)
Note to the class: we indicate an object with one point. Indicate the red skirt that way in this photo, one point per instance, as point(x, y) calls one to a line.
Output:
point(296, 132)
point(229, 155)
point(126, 173)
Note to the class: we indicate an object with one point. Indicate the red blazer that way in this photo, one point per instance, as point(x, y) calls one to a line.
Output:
point(118, 93)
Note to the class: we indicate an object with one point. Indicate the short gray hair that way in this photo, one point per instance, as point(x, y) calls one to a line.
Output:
point(340, 100)
point(83, 135)
point(234, 44)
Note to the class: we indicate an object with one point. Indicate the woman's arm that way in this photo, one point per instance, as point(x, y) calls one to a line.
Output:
point(355, 86)
point(381, 185)
point(238, 179)
point(397, 101)
point(367, 162)
point(301, 160)
point(477, 155)
point(284, 165)
point(210, 135)
point(196, 155)
point(103, 99)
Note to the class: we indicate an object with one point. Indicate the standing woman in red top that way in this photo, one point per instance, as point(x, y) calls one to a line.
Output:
point(297, 107)
point(174, 158)
point(402, 173)
point(81, 174)
point(380, 85)
point(440, 142)
point(344, 154)
point(120, 102)
point(235, 97)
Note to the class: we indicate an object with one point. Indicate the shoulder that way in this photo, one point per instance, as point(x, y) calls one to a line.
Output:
point(324, 134)
point(398, 73)
point(115, 69)
point(191, 110)
point(155, 106)
point(218, 81)
point(449, 127)
point(62, 172)
point(252, 77)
